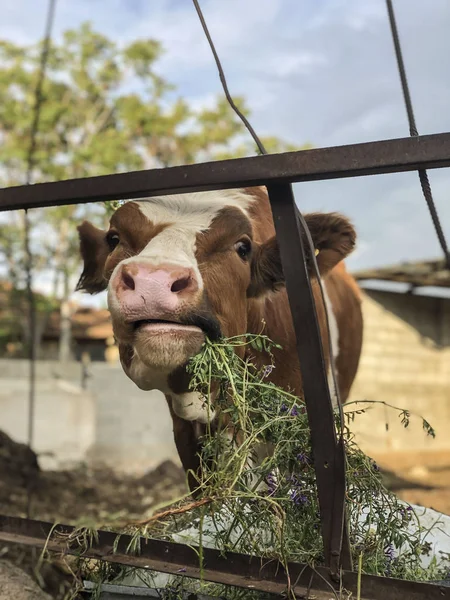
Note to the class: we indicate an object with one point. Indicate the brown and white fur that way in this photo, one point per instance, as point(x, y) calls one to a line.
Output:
point(180, 267)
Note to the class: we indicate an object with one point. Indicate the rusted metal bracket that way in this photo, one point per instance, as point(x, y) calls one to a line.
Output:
point(240, 570)
point(372, 158)
point(329, 458)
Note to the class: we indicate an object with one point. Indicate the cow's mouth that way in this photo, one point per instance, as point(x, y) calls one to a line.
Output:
point(138, 324)
point(209, 326)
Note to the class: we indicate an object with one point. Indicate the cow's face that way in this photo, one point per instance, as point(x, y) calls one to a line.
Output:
point(180, 268)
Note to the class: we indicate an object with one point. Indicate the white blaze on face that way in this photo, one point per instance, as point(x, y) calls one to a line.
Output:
point(188, 215)
point(184, 216)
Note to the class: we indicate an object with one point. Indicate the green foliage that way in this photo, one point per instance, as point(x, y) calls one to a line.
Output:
point(287, 518)
point(280, 521)
point(92, 124)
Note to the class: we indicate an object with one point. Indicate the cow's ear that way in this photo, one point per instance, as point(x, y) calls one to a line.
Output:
point(94, 252)
point(333, 237)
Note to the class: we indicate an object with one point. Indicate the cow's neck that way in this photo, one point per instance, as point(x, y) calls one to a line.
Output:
point(272, 317)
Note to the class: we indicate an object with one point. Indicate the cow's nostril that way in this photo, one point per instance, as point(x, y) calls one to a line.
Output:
point(180, 284)
point(128, 279)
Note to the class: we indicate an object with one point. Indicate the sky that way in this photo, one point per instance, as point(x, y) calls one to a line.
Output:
point(317, 71)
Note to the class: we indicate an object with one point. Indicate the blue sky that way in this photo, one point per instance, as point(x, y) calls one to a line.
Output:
point(318, 71)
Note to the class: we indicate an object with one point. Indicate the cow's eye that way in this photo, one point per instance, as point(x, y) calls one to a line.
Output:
point(243, 248)
point(113, 239)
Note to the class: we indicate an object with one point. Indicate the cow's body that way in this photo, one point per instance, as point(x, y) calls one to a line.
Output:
point(179, 268)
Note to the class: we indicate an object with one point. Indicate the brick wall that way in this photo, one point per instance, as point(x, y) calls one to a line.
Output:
point(405, 362)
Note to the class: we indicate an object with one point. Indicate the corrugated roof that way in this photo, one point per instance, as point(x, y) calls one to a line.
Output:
point(426, 273)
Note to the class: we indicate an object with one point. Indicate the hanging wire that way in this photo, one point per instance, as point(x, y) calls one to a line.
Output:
point(335, 551)
point(423, 176)
point(223, 80)
point(263, 150)
point(38, 99)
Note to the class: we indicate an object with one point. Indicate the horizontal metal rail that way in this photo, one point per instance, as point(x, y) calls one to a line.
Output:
point(250, 572)
point(371, 158)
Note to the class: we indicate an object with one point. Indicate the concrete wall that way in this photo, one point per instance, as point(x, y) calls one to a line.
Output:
point(64, 416)
point(133, 428)
point(111, 421)
point(405, 362)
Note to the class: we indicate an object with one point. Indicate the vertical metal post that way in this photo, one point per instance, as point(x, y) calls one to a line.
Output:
point(329, 459)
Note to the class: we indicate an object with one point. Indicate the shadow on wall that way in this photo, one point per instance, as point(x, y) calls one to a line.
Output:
point(430, 317)
point(405, 363)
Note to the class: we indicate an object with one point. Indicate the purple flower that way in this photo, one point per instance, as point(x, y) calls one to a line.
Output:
point(296, 494)
point(303, 458)
point(267, 370)
point(407, 513)
point(298, 497)
point(294, 411)
point(389, 554)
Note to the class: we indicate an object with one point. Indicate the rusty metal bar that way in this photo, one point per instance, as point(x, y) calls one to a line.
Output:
point(372, 158)
point(329, 461)
point(250, 572)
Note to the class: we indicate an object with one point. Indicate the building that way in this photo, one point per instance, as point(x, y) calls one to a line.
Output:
point(91, 333)
point(406, 356)
point(91, 328)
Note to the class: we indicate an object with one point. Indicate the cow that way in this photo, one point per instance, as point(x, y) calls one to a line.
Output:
point(179, 268)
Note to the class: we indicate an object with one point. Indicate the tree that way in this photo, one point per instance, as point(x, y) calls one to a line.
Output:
point(105, 109)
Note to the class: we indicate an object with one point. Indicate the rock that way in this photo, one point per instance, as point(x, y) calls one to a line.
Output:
point(17, 461)
point(16, 584)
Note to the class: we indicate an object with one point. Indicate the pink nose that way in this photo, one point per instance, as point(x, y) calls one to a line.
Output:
point(153, 292)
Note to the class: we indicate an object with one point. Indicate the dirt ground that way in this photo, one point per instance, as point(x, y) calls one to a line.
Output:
point(421, 478)
point(95, 496)
point(18, 585)
point(84, 496)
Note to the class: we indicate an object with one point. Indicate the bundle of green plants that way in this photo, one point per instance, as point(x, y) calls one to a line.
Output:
point(281, 518)
point(257, 487)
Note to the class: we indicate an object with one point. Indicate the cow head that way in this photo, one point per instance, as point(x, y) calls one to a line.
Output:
point(179, 268)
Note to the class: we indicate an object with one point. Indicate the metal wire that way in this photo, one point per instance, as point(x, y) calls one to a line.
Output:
point(423, 176)
point(263, 150)
point(304, 225)
point(223, 80)
point(38, 99)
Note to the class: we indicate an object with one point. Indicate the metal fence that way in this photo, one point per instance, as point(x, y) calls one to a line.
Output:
point(277, 172)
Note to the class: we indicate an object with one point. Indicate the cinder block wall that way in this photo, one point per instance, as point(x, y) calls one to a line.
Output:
point(405, 362)
point(111, 421)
